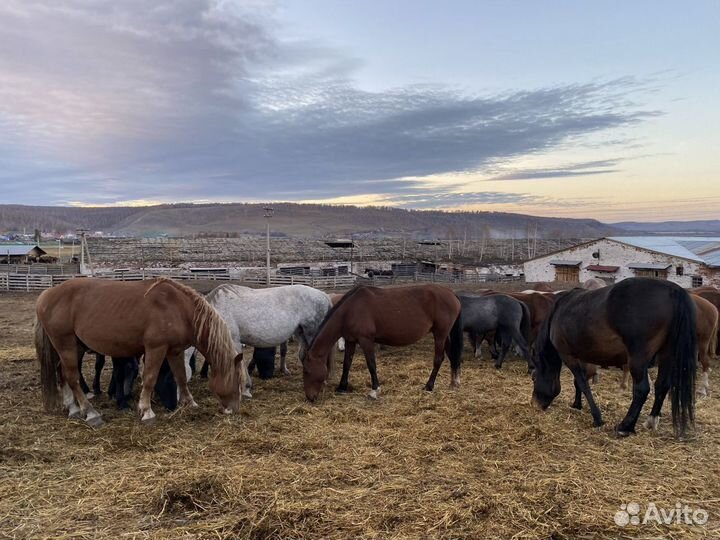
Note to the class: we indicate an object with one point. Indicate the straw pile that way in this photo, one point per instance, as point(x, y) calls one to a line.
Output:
point(473, 463)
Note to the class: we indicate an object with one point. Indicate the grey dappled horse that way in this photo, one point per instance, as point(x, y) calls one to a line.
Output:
point(269, 317)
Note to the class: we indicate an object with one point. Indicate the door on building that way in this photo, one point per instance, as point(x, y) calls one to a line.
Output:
point(567, 274)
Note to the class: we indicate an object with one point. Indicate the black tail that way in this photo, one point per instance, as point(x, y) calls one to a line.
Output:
point(682, 343)
point(49, 362)
point(525, 323)
point(456, 344)
point(546, 355)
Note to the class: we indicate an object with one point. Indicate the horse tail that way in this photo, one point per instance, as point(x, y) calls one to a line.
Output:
point(682, 344)
point(456, 344)
point(545, 352)
point(49, 360)
point(525, 323)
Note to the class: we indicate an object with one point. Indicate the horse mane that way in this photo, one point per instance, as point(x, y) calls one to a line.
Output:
point(220, 346)
point(333, 309)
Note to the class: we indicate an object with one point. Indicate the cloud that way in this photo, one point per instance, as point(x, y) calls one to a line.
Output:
point(196, 99)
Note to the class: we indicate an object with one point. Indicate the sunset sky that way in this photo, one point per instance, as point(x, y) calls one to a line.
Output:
point(609, 110)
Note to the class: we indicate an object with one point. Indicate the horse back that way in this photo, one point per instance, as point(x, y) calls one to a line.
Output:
point(116, 318)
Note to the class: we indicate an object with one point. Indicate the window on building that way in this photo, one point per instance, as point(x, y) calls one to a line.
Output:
point(679, 270)
point(697, 281)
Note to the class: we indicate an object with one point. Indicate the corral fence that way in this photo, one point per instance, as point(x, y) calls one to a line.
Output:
point(19, 282)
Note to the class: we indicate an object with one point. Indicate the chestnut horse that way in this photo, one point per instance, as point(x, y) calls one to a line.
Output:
point(397, 317)
point(630, 322)
point(712, 295)
point(158, 318)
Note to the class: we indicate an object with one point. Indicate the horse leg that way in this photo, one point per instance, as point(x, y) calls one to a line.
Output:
point(577, 404)
point(473, 339)
point(283, 355)
point(580, 378)
point(99, 365)
point(437, 361)
point(368, 349)
point(347, 362)
point(490, 338)
point(504, 347)
point(176, 359)
point(704, 387)
point(523, 346)
point(153, 359)
point(662, 387)
point(641, 389)
point(626, 376)
point(83, 384)
point(69, 355)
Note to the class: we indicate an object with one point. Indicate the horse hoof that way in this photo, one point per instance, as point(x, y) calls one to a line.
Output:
point(623, 432)
point(429, 387)
point(89, 395)
point(286, 371)
point(246, 395)
point(374, 394)
point(576, 407)
point(652, 422)
point(95, 422)
point(74, 415)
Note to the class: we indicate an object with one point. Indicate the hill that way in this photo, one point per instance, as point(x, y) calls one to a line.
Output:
point(710, 227)
point(298, 220)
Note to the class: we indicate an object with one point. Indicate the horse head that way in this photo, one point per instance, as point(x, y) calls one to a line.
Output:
point(227, 386)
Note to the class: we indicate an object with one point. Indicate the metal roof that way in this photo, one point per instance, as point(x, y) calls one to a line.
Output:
point(649, 266)
point(701, 249)
point(18, 249)
point(559, 262)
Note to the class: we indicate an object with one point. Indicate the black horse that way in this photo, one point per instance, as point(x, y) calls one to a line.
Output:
point(507, 317)
point(632, 322)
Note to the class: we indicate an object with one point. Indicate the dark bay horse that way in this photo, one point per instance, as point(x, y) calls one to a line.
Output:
point(397, 317)
point(158, 318)
point(630, 322)
point(507, 317)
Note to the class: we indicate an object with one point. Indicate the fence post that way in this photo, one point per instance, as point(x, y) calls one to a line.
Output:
point(27, 282)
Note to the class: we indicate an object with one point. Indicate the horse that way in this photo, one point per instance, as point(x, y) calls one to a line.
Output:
point(507, 317)
point(712, 295)
point(269, 317)
point(629, 322)
point(542, 287)
point(706, 329)
point(594, 283)
point(540, 304)
point(158, 318)
point(398, 316)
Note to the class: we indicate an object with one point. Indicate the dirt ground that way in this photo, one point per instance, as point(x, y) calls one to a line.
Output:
point(479, 462)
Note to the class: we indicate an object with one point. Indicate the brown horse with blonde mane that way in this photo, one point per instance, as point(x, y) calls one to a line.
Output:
point(158, 318)
point(397, 317)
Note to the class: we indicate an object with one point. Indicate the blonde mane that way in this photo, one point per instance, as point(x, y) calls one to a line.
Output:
point(219, 344)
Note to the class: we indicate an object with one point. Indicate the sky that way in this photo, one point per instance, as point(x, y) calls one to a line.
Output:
point(606, 110)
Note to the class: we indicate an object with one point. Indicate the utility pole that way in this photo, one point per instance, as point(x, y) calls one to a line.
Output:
point(269, 211)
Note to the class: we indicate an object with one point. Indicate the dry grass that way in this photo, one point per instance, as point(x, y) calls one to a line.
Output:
point(473, 463)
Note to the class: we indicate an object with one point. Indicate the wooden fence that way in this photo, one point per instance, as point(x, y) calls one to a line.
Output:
point(37, 282)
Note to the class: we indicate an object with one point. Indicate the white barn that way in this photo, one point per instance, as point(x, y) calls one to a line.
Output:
point(687, 261)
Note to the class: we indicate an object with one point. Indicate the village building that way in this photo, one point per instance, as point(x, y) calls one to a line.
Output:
point(22, 254)
point(687, 261)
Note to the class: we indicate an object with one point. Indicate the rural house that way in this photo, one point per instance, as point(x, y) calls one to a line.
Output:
point(687, 261)
point(20, 253)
